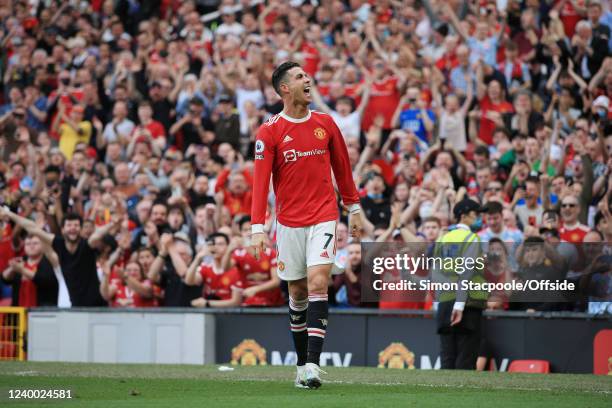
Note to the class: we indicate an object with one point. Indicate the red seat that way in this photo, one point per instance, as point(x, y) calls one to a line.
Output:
point(8, 351)
point(529, 366)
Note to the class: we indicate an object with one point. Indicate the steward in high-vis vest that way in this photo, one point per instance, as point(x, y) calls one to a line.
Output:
point(460, 311)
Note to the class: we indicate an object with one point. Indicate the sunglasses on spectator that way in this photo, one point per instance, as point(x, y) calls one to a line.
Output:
point(568, 205)
point(493, 189)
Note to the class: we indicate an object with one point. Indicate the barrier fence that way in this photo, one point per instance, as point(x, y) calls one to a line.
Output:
point(13, 324)
point(571, 342)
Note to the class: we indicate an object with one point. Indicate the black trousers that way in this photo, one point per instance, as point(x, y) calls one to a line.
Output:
point(459, 345)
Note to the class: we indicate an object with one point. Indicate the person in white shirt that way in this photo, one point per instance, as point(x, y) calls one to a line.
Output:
point(229, 24)
point(452, 114)
point(119, 129)
point(347, 119)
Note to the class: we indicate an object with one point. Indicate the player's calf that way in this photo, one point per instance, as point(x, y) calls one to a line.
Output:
point(318, 312)
point(298, 311)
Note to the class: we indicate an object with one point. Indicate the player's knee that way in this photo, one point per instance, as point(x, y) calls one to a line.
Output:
point(298, 290)
point(318, 283)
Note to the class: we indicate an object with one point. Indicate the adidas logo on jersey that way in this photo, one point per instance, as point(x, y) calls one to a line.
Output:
point(324, 255)
point(287, 139)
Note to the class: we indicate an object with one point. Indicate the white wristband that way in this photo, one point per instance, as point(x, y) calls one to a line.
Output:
point(354, 208)
point(257, 229)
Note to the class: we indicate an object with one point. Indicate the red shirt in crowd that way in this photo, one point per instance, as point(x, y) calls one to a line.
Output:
point(6, 245)
point(156, 129)
point(235, 203)
point(569, 16)
point(254, 272)
point(311, 59)
point(126, 296)
point(299, 154)
point(487, 126)
point(67, 99)
point(574, 235)
point(27, 287)
point(384, 98)
point(219, 284)
point(353, 91)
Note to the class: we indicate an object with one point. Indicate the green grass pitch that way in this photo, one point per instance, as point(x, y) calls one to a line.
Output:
point(127, 385)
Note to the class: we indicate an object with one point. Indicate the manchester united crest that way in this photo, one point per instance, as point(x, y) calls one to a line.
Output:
point(249, 352)
point(281, 266)
point(396, 355)
point(320, 133)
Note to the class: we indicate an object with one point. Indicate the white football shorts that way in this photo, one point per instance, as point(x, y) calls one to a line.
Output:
point(303, 247)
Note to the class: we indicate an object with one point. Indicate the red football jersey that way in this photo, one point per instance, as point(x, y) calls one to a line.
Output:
point(574, 235)
point(27, 289)
point(220, 285)
point(156, 128)
point(254, 272)
point(299, 154)
point(487, 126)
point(384, 99)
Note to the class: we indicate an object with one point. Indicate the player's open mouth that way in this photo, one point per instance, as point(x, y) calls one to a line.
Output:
point(307, 91)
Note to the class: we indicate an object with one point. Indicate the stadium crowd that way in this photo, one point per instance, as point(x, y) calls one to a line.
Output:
point(127, 130)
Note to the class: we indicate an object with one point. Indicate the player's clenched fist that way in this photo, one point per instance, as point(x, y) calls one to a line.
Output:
point(355, 225)
point(257, 243)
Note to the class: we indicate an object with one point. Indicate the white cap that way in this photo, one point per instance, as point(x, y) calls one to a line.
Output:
point(601, 101)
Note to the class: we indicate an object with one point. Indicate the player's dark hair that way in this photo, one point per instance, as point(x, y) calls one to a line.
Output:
point(211, 237)
point(280, 74)
point(71, 216)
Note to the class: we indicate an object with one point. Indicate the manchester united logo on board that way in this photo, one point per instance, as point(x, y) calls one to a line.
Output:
point(320, 133)
point(249, 352)
point(396, 355)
